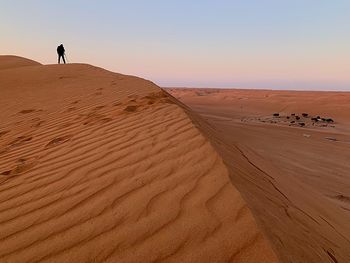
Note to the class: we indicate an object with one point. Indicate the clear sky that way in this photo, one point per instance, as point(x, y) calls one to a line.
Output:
point(295, 44)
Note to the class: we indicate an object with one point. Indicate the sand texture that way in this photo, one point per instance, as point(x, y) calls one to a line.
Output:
point(294, 177)
point(102, 167)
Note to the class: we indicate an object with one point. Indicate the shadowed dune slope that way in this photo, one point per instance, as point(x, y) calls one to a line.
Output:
point(101, 167)
point(295, 180)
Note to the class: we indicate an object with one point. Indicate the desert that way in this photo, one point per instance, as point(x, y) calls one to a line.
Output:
point(97, 166)
point(175, 131)
point(295, 178)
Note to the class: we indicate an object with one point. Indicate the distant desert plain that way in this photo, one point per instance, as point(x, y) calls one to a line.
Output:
point(288, 153)
point(97, 166)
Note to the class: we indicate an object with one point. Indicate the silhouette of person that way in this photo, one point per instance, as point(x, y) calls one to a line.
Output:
point(60, 52)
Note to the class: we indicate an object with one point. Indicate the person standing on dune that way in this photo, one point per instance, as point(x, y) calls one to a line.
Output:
point(60, 52)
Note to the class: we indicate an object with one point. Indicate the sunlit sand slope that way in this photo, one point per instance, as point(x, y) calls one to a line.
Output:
point(102, 167)
point(8, 62)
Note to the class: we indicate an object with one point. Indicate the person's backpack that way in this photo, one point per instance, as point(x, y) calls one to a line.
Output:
point(60, 50)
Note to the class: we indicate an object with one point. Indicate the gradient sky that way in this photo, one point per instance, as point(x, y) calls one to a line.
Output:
point(280, 44)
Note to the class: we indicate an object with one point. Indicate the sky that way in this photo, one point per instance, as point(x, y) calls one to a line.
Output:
point(277, 44)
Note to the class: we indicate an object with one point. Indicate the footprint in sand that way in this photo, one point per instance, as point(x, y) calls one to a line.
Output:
point(67, 124)
point(133, 96)
point(38, 124)
point(343, 198)
point(131, 108)
point(150, 99)
point(65, 77)
point(95, 118)
point(20, 140)
point(103, 120)
point(331, 139)
point(22, 165)
point(58, 141)
point(99, 107)
point(2, 133)
point(161, 97)
point(27, 111)
point(6, 172)
point(70, 109)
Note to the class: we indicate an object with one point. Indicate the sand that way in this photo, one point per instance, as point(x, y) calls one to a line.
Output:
point(295, 178)
point(8, 62)
point(97, 166)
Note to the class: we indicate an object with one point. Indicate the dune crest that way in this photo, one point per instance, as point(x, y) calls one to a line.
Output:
point(9, 62)
point(102, 167)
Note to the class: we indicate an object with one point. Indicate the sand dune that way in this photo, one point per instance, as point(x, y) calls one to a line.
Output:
point(295, 179)
point(101, 167)
point(8, 62)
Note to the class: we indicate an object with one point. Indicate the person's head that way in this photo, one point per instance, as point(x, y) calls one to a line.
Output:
point(61, 45)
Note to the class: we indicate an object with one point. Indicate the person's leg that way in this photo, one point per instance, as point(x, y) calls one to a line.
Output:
point(64, 60)
point(59, 59)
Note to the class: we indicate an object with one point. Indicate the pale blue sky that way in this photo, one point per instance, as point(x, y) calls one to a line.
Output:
point(240, 43)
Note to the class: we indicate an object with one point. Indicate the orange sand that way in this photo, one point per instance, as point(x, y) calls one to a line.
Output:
point(101, 167)
point(296, 180)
